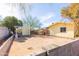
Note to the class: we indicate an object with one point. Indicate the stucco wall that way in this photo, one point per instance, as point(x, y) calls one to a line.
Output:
point(25, 30)
point(56, 31)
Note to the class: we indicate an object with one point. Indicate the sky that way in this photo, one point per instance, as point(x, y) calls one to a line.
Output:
point(49, 13)
point(46, 13)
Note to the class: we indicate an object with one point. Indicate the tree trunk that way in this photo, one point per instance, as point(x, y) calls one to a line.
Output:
point(76, 28)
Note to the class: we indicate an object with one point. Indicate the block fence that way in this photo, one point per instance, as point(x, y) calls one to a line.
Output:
point(71, 49)
point(4, 49)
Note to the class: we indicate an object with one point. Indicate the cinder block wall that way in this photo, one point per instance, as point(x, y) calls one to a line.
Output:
point(4, 49)
point(71, 49)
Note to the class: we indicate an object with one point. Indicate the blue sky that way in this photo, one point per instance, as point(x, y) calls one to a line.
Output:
point(48, 13)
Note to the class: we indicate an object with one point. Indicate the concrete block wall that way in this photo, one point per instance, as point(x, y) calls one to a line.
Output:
point(4, 49)
point(71, 49)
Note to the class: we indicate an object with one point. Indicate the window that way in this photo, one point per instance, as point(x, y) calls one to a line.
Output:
point(63, 29)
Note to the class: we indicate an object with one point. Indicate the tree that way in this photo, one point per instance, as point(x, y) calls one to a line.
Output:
point(20, 23)
point(28, 20)
point(34, 22)
point(23, 8)
point(10, 22)
point(72, 12)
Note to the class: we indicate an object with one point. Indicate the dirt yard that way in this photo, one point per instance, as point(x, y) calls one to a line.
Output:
point(35, 45)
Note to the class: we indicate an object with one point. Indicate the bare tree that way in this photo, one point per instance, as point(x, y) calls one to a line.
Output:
point(28, 21)
point(24, 10)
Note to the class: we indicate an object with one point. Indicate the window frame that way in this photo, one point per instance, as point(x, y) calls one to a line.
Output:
point(62, 29)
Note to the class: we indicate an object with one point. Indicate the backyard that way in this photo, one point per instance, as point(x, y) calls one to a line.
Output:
point(36, 44)
point(35, 29)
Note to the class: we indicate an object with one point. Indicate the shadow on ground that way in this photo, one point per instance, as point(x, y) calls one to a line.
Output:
point(22, 38)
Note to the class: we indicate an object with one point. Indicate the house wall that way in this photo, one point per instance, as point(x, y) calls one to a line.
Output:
point(55, 30)
point(3, 32)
